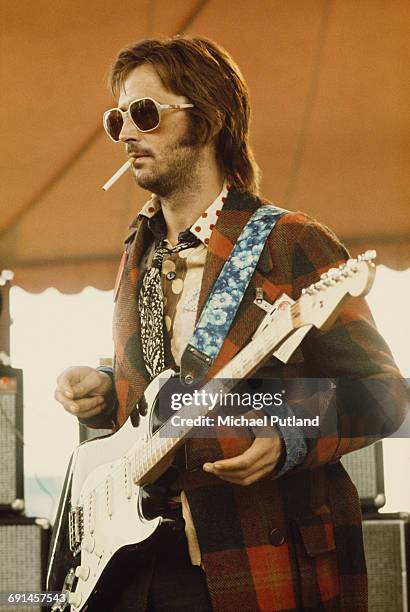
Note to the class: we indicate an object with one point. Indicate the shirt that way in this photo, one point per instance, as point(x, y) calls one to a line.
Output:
point(181, 273)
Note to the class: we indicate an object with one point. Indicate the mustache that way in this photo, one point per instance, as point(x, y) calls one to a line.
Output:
point(132, 150)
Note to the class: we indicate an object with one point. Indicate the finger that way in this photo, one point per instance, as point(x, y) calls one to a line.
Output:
point(87, 412)
point(85, 386)
point(267, 457)
point(238, 476)
point(250, 457)
point(83, 407)
point(64, 386)
point(245, 481)
point(87, 404)
point(63, 399)
point(236, 471)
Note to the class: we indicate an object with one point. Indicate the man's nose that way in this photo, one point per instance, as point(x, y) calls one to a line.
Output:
point(128, 130)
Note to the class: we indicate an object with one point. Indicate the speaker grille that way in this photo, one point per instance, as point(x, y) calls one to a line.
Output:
point(23, 550)
point(385, 550)
point(8, 458)
point(365, 468)
point(11, 443)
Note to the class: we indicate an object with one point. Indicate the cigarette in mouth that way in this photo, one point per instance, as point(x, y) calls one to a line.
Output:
point(117, 175)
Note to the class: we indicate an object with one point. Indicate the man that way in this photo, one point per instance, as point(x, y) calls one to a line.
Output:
point(274, 523)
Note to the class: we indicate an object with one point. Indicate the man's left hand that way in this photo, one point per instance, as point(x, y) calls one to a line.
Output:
point(259, 460)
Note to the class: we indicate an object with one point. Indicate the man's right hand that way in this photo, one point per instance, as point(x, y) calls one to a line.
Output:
point(82, 391)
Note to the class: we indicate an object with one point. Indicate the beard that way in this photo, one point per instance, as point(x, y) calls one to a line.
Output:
point(176, 169)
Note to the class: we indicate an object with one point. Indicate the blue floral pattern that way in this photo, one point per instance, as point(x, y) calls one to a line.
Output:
point(232, 282)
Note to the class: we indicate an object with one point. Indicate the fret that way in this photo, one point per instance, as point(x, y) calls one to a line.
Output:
point(157, 448)
point(150, 453)
point(145, 463)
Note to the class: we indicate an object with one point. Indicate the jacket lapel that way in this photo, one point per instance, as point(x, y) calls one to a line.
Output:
point(131, 377)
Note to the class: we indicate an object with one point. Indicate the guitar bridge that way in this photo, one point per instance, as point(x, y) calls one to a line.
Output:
point(76, 528)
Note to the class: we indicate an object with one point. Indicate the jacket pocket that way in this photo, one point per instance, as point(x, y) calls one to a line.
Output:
point(315, 557)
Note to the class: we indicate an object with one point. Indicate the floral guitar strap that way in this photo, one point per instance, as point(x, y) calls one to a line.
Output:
point(226, 295)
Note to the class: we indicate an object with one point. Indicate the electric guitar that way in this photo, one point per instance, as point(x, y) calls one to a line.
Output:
point(102, 508)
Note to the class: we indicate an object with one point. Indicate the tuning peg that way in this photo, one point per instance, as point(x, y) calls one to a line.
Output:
point(311, 290)
point(334, 273)
point(369, 255)
point(350, 271)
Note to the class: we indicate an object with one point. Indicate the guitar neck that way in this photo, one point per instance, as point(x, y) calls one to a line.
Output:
point(169, 437)
point(316, 306)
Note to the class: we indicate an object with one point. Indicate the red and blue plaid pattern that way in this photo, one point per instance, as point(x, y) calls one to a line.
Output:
point(293, 543)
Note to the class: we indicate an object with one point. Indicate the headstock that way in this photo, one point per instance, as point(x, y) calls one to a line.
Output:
point(319, 301)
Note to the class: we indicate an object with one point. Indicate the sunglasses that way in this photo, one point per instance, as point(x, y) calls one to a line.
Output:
point(145, 114)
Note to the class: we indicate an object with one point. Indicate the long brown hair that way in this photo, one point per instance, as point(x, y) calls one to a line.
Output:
point(206, 74)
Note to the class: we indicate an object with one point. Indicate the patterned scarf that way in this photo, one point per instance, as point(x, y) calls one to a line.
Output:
point(151, 304)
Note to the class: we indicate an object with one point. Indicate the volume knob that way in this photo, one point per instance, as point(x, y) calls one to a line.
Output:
point(82, 572)
point(88, 544)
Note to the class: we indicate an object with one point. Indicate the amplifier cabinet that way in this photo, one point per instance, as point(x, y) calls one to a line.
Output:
point(24, 544)
point(365, 468)
point(387, 551)
point(11, 440)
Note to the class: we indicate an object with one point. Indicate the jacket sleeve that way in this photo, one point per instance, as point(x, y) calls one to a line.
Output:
point(369, 398)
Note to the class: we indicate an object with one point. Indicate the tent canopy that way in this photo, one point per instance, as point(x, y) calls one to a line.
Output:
point(330, 124)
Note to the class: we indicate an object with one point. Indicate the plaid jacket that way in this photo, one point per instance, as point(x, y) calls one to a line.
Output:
point(293, 543)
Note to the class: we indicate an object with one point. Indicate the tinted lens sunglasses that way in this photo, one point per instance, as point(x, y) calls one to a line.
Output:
point(145, 114)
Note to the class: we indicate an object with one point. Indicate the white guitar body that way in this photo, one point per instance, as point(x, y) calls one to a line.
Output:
point(111, 515)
